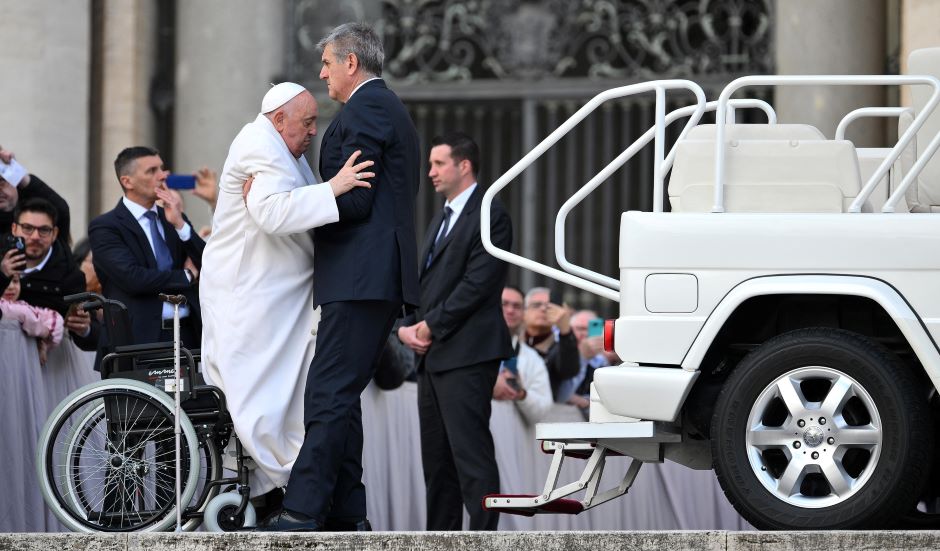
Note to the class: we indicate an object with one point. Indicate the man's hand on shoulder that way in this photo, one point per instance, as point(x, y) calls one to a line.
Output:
point(172, 206)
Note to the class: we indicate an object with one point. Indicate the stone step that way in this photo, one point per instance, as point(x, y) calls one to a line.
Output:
point(466, 541)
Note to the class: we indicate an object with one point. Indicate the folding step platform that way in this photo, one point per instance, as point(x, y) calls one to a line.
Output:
point(594, 442)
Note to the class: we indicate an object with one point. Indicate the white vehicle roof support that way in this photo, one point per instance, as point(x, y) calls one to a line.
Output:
point(620, 160)
point(721, 118)
point(864, 112)
point(658, 86)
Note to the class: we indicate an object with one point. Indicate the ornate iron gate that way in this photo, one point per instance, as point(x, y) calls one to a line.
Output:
point(509, 72)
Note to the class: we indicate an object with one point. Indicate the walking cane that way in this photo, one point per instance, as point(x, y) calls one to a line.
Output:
point(176, 301)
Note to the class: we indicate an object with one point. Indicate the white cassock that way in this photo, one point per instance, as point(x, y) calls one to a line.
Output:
point(256, 294)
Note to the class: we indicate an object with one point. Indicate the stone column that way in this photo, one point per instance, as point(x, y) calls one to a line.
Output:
point(228, 54)
point(920, 28)
point(44, 119)
point(126, 64)
point(840, 37)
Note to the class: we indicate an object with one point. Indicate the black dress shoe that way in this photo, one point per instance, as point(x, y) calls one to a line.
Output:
point(289, 521)
point(269, 503)
point(361, 525)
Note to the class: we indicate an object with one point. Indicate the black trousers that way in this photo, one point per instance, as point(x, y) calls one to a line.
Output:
point(457, 446)
point(326, 481)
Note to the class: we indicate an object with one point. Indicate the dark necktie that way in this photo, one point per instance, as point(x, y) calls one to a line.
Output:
point(440, 235)
point(160, 250)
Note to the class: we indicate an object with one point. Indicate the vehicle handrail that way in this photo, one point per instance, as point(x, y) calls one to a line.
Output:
point(721, 117)
point(619, 161)
point(864, 112)
point(657, 86)
point(909, 178)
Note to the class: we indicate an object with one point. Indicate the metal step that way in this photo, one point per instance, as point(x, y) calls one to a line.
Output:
point(647, 431)
point(528, 505)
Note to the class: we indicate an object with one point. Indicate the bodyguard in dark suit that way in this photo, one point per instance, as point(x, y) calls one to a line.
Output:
point(365, 269)
point(461, 337)
point(141, 250)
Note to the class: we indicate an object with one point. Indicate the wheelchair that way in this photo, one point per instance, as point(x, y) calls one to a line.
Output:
point(106, 458)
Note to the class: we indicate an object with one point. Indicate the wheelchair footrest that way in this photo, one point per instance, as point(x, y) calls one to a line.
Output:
point(528, 505)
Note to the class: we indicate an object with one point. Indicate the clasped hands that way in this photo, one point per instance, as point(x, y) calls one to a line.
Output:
point(416, 337)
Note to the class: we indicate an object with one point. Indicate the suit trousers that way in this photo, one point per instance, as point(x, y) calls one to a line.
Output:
point(326, 480)
point(457, 446)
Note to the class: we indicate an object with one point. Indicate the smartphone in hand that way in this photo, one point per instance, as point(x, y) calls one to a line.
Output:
point(596, 327)
point(181, 181)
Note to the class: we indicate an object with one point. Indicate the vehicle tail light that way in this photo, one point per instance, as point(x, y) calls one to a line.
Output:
point(609, 335)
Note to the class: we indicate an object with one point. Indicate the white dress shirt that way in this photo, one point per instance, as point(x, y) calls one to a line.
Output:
point(456, 206)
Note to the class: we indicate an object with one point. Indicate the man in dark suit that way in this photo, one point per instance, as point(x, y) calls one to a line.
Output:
point(461, 337)
point(141, 250)
point(365, 269)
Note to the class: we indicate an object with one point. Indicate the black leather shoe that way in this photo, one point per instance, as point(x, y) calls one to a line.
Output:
point(269, 503)
point(289, 521)
point(362, 525)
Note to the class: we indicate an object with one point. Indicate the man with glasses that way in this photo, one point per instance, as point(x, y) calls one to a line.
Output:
point(548, 331)
point(47, 272)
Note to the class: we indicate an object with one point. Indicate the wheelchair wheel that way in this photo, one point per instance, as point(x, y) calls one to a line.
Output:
point(220, 514)
point(106, 459)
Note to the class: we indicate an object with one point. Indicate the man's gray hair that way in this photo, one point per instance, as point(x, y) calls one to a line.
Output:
point(359, 39)
point(534, 291)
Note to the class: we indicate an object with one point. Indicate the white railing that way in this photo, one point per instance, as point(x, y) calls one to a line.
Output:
point(721, 118)
point(866, 112)
point(622, 159)
point(659, 87)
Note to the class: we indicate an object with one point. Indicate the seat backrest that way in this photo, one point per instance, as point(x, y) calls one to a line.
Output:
point(761, 175)
point(923, 195)
point(758, 132)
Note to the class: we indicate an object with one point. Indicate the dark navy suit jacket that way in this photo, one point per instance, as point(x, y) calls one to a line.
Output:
point(127, 269)
point(461, 290)
point(371, 253)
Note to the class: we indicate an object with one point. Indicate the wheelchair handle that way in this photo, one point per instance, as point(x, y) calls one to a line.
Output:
point(93, 301)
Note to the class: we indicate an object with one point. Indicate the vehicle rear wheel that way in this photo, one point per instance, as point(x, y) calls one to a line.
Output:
point(821, 428)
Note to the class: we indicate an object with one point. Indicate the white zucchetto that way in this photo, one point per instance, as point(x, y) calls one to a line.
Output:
point(280, 94)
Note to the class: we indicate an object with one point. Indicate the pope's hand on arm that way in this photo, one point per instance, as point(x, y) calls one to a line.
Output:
point(351, 175)
point(279, 206)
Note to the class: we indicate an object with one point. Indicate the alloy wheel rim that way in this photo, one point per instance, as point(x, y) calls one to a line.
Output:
point(814, 437)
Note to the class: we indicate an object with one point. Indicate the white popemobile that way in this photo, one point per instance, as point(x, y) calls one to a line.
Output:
point(779, 325)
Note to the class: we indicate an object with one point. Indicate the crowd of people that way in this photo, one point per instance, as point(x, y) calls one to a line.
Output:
point(329, 277)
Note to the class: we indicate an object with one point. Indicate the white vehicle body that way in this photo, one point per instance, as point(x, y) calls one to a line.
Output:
point(789, 261)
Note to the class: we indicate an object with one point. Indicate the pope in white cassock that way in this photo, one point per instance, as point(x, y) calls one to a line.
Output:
point(256, 287)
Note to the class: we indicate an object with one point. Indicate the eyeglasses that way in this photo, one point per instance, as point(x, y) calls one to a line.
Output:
point(513, 305)
point(28, 229)
point(536, 305)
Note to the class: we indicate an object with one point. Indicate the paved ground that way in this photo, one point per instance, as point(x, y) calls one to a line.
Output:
point(502, 541)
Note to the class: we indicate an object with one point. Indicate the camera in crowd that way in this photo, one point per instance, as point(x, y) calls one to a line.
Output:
point(10, 241)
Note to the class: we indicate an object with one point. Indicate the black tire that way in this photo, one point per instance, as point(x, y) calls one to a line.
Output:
point(872, 455)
